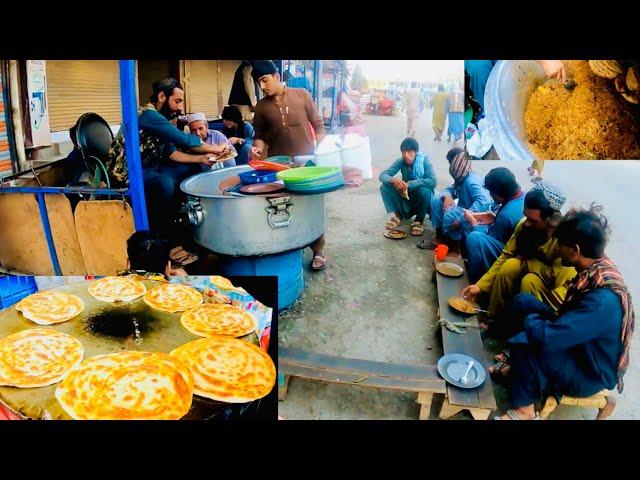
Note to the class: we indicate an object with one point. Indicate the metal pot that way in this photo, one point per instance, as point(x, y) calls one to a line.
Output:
point(253, 224)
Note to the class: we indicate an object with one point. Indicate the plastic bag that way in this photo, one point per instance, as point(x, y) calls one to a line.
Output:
point(479, 140)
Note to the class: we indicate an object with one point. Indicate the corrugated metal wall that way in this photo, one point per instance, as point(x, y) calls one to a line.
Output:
point(75, 87)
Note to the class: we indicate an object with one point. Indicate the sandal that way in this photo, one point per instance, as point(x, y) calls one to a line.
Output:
point(393, 223)
point(179, 256)
point(514, 415)
point(417, 229)
point(319, 262)
point(427, 244)
point(497, 369)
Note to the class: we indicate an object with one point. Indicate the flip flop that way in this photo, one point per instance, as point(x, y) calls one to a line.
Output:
point(514, 415)
point(179, 256)
point(417, 229)
point(322, 265)
point(499, 365)
point(426, 244)
point(393, 223)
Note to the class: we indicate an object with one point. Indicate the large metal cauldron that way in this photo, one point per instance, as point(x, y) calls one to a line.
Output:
point(253, 224)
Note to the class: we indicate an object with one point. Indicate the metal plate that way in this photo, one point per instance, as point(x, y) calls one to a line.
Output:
point(395, 234)
point(453, 366)
point(262, 188)
point(473, 305)
point(448, 268)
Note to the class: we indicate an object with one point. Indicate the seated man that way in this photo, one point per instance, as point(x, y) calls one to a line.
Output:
point(198, 126)
point(484, 244)
point(530, 261)
point(584, 348)
point(149, 256)
point(164, 165)
point(239, 133)
point(446, 217)
point(412, 193)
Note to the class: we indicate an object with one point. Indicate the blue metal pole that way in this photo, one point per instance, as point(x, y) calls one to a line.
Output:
point(132, 142)
point(44, 216)
point(317, 84)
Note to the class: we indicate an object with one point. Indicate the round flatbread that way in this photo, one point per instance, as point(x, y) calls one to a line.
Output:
point(221, 282)
point(228, 369)
point(37, 357)
point(127, 386)
point(216, 319)
point(173, 298)
point(47, 308)
point(117, 289)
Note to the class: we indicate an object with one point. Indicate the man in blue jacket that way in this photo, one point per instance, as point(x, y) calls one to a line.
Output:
point(585, 347)
point(411, 193)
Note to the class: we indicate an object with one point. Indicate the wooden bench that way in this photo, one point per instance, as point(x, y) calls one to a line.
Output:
point(479, 401)
point(423, 380)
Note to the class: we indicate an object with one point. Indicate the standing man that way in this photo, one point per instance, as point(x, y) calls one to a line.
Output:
point(243, 90)
point(415, 105)
point(283, 123)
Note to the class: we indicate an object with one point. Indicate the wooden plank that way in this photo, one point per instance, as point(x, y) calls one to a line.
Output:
point(296, 357)
point(402, 384)
point(469, 343)
point(103, 228)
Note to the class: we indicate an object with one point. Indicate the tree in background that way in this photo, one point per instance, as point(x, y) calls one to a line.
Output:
point(359, 82)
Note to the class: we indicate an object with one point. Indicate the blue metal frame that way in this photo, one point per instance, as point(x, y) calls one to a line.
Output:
point(134, 164)
point(132, 142)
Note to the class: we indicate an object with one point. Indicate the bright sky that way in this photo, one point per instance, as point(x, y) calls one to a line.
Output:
point(418, 70)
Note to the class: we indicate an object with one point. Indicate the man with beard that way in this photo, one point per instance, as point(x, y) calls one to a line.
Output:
point(168, 156)
point(584, 347)
point(530, 261)
point(283, 122)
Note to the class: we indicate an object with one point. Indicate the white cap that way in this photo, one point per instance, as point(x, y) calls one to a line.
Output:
point(195, 117)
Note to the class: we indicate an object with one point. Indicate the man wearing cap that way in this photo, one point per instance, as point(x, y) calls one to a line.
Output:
point(530, 261)
point(447, 217)
point(283, 122)
point(199, 126)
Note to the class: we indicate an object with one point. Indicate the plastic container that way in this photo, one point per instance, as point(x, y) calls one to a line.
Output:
point(356, 153)
point(508, 89)
point(328, 152)
point(13, 289)
point(257, 176)
point(286, 266)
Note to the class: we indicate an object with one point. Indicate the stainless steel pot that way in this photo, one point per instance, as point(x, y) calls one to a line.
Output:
point(252, 224)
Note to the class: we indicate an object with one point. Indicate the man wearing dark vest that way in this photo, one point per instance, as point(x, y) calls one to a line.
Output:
point(243, 90)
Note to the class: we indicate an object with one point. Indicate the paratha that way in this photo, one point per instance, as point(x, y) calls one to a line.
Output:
point(49, 307)
point(127, 386)
point(222, 283)
point(37, 357)
point(117, 289)
point(227, 369)
point(215, 319)
point(173, 297)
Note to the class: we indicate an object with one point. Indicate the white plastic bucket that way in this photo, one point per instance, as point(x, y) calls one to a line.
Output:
point(358, 155)
point(328, 152)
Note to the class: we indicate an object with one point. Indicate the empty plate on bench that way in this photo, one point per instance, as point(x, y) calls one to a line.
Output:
point(453, 366)
point(449, 269)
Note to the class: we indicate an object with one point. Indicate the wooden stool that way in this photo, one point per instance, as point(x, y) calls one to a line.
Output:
point(602, 401)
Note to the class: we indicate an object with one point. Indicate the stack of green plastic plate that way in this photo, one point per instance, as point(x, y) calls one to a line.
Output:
point(312, 179)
